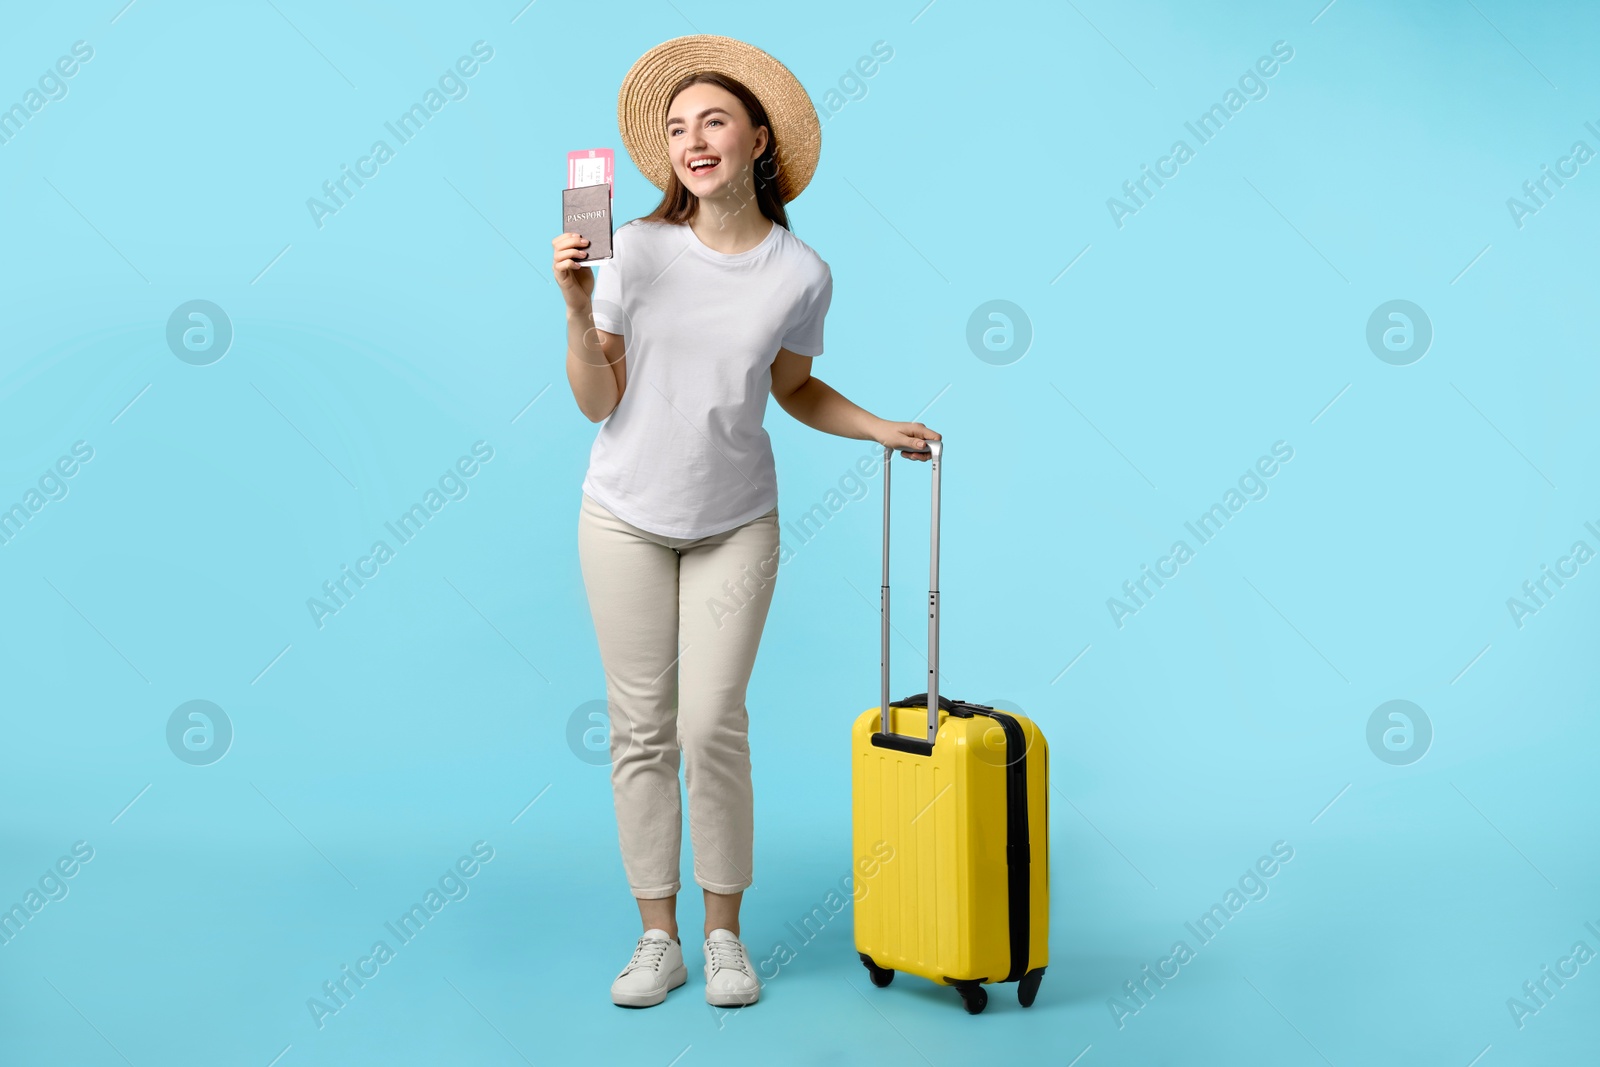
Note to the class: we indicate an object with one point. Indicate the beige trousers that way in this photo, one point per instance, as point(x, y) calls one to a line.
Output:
point(678, 622)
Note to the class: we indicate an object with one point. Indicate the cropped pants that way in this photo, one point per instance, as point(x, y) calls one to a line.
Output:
point(678, 622)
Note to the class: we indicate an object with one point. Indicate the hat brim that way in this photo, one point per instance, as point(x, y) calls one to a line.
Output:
point(644, 98)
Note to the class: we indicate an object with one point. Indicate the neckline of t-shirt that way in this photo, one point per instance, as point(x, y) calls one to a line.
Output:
point(732, 257)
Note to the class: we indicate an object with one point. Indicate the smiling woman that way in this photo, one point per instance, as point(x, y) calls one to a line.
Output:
point(708, 305)
point(719, 141)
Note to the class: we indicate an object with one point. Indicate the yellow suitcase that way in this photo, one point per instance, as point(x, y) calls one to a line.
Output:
point(950, 832)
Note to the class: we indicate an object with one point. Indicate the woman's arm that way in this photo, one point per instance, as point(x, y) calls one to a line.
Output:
point(596, 368)
point(818, 405)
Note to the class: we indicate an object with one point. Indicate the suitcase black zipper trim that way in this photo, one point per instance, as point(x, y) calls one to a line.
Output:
point(1018, 854)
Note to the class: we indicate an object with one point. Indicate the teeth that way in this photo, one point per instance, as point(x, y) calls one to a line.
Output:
point(697, 164)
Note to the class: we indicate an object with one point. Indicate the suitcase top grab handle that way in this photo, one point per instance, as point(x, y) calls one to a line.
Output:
point(937, 450)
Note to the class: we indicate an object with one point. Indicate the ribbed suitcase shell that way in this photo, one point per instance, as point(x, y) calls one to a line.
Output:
point(934, 814)
point(938, 906)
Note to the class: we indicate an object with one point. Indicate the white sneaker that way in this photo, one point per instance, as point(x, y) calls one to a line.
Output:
point(730, 980)
point(656, 967)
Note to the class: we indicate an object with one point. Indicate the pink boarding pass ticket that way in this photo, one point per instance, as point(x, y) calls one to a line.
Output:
point(590, 166)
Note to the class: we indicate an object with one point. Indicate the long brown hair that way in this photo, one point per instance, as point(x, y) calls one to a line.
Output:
point(678, 205)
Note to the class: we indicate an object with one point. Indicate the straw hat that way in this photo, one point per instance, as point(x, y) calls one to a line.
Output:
point(643, 100)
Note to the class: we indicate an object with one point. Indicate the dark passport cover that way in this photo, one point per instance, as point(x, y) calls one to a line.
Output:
point(586, 210)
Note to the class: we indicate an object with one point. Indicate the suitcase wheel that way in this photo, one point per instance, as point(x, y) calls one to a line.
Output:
point(973, 996)
point(1028, 986)
point(881, 976)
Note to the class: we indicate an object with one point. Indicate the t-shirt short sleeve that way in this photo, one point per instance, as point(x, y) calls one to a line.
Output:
point(606, 300)
point(804, 336)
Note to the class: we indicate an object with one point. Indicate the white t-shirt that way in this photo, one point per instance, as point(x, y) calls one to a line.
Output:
point(684, 453)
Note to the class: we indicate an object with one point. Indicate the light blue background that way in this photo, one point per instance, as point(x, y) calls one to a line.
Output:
point(1230, 713)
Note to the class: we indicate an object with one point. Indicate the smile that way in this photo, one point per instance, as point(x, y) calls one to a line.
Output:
point(703, 164)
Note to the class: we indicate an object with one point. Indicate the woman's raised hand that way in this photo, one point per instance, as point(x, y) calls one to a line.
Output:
point(576, 279)
point(908, 437)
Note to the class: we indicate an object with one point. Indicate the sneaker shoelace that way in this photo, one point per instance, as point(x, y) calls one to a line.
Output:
point(729, 955)
point(647, 954)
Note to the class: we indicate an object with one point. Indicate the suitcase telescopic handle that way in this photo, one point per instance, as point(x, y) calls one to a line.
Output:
point(936, 448)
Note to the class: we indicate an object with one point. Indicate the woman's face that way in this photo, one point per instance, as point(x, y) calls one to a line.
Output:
point(707, 123)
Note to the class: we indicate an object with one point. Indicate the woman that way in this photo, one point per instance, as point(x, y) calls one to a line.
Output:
point(708, 303)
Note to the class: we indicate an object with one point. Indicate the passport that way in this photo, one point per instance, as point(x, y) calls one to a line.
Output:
point(586, 210)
